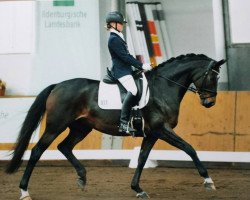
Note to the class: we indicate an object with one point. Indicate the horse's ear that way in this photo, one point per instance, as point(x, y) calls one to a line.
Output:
point(219, 63)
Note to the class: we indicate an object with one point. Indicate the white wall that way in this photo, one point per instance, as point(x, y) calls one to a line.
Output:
point(16, 19)
point(59, 53)
point(16, 45)
point(219, 41)
point(104, 8)
point(15, 70)
point(12, 114)
point(239, 21)
point(193, 26)
point(190, 26)
point(196, 26)
point(67, 43)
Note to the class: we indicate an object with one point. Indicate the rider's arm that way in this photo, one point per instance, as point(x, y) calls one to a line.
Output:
point(117, 46)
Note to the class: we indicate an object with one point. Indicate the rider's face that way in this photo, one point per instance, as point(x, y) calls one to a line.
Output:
point(119, 27)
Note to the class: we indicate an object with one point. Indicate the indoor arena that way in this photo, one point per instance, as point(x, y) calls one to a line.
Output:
point(121, 99)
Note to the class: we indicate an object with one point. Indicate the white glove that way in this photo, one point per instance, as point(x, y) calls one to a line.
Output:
point(147, 66)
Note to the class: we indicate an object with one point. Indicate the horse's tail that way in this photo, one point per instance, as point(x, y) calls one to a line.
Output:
point(30, 123)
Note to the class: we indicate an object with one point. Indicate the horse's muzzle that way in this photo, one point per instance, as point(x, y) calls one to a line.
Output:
point(208, 102)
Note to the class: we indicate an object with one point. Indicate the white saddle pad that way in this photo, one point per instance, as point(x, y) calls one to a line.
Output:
point(109, 96)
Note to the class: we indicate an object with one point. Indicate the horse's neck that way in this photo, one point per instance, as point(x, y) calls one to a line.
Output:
point(182, 86)
point(170, 87)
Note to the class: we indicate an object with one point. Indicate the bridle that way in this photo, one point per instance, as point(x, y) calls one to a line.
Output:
point(201, 90)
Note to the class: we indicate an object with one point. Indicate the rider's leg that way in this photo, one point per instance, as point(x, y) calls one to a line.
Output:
point(129, 101)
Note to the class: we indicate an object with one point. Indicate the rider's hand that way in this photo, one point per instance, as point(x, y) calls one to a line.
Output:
point(146, 66)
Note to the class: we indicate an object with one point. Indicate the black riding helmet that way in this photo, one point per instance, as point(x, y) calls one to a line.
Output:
point(115, 16)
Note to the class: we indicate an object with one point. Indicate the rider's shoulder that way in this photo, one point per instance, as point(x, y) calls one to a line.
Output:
point(114, 38)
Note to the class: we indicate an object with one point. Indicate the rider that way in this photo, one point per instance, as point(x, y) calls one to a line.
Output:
point(122, 63)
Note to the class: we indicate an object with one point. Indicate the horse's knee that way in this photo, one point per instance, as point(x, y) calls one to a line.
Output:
point(62, 147)
point(68, 144)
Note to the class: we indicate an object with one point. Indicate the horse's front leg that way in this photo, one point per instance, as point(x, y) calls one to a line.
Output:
point(147, 144)
point(167, 134)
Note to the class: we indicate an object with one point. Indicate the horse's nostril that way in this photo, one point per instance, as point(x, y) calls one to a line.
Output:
point(209, 104)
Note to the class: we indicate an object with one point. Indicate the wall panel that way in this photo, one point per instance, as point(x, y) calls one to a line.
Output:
point(242, 129)
point(205, 129)
point(224, 127)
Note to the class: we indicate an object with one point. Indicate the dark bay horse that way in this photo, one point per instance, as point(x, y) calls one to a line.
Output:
point(73, 104)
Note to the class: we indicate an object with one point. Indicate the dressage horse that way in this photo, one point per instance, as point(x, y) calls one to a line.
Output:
point(73, 104)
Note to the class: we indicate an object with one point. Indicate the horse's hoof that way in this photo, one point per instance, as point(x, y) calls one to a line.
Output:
point(209, 184)
point(142, 195)
point(25, 195)
point(81, 183)
point(26, 198)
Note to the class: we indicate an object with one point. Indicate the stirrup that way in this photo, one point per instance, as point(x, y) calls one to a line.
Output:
point(125, 128)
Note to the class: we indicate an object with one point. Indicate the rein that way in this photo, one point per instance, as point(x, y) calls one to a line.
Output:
point(192, 89)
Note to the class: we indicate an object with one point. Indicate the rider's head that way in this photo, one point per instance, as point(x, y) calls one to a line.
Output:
point(115, 20)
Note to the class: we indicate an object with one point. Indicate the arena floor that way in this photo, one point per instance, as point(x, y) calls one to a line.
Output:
point(113, 183)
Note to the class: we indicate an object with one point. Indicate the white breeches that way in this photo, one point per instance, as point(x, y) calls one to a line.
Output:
point(128, 83)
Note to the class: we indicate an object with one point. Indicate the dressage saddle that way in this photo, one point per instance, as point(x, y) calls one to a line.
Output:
point(137, 75)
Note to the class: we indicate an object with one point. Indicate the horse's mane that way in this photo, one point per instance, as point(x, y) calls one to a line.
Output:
point(184, 57)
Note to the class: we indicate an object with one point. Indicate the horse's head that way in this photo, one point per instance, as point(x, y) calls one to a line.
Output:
point(207, 81)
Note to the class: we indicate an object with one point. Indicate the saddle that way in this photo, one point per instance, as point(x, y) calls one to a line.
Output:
point(137, 75)
point(111, 95)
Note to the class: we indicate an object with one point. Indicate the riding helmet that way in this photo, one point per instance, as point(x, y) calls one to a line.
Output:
point(115, 16)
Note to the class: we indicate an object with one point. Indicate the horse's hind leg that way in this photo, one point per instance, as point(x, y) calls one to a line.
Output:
point(168, 135)
point(47, 138)
point(78, 131)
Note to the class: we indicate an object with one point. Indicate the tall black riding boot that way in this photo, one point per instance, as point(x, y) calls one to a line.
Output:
point(127, 105)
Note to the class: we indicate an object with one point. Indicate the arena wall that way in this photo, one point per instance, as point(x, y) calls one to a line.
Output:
point(224, 127)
